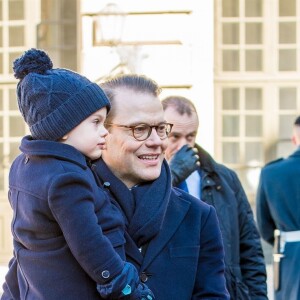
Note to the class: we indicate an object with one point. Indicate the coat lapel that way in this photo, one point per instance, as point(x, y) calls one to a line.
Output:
point(176, 211)
point(132, 250)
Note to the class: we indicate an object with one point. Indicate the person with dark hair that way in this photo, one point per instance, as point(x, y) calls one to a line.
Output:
point(195, 171)
point(68, 238)
point(173, 239)
point(278, 207)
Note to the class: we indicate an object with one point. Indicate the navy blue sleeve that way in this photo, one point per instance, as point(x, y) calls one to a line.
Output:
point(71, 201)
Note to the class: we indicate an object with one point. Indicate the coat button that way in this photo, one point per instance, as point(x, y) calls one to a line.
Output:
point(105, 274)
point(106, 184)
point(26, 160)
point(143, 277)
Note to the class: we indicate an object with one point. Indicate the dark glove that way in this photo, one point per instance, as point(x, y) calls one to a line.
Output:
point(142, 292)
point(183, 164)
point(124, 286)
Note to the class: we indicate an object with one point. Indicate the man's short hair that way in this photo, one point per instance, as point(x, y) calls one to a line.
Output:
point(181, 104)
point(134, 82)
point(297, 121)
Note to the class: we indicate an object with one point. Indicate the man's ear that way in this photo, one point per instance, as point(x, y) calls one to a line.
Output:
point(294, 140)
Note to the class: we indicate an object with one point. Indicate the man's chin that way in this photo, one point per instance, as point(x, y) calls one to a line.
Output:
point(150, 176)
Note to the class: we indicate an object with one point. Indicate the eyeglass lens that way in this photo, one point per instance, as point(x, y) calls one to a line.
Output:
point(143, 131)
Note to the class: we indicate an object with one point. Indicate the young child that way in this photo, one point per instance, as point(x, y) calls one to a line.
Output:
point(68, 238)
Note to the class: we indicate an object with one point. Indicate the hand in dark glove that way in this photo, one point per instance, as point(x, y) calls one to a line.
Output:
point(183, 164)
point(122, 285)
point(126, 285)
point(142, 292)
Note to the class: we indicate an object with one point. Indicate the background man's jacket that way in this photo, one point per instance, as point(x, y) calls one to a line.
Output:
point(244, 260)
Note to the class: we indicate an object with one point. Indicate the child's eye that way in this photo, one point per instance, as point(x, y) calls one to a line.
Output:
point(96, 121)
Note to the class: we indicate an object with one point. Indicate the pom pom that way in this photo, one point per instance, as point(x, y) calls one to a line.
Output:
point(33, 60)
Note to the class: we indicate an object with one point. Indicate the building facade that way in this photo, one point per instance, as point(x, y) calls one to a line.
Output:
point(256, 82)
point(237, 60)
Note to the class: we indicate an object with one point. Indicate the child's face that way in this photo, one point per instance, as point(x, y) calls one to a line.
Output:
point(89, 136)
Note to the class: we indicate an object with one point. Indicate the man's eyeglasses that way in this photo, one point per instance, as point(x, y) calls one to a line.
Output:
point(142, 131)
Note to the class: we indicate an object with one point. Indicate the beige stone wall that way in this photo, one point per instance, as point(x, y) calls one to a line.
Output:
point(5, 233)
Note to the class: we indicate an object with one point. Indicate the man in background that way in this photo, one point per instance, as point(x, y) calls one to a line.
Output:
point(195, 171)
point(278, 217)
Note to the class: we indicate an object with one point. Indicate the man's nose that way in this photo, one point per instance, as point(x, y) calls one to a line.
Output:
point(181, 143)
point(154, 138)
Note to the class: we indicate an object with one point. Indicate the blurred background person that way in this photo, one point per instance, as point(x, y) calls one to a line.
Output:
point(278, 208)
point(195, 171)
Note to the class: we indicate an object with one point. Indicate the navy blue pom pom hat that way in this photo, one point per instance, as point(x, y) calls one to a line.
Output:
point(54, 101)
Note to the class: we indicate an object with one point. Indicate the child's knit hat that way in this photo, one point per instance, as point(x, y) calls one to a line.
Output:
point(53, 101)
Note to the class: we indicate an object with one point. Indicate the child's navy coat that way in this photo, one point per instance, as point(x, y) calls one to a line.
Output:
point(59, 213)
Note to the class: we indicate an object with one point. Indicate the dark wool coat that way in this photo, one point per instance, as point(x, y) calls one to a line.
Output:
point(278, 207)
point(59, 217)
point(184, 260)
point(244, 260)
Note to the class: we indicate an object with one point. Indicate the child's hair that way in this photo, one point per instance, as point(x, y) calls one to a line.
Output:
point(53, 101)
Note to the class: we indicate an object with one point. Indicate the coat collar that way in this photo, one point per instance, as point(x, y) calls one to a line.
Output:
point(176, 211)
point(31, 147)
point(209, 168)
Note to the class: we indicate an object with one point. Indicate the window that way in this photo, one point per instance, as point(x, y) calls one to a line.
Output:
point(257, 96)
point(18, 24)
point(57, 32)
point(242, 36)
point(13, 41)
point(239, 140)
point(287, 36)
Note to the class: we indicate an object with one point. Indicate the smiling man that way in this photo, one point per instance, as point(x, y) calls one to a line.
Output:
point(173, 239)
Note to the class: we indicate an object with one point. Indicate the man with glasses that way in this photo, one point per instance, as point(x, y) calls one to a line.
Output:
point(173, 239)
